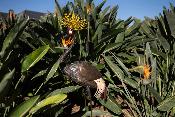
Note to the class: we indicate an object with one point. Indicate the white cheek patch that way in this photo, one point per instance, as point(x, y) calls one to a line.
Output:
point(101, 87)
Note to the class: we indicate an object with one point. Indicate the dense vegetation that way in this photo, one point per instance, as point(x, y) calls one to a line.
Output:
point(136, 59)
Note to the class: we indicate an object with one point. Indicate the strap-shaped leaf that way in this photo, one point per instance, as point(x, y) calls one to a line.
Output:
point(99, 7)
point(155, 93)
point(12, 35)
point(57, 63)
point(65, 90)
point(170, 16)
point(114, 68)
point(56, 99)
point(132, 29)
point(31, 59)
point(112, 46)
point(167, 104)
point(112, 105)
point(120, 73)
point(6, 81)
point(41, 73)
point(24, 107)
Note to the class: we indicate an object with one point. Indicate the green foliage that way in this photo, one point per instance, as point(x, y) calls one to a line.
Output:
point(33, 58)
point(112, 105)
point(12, 35)
point(166, 104)
point(24, 107)
point(56, 99)
point(6, 80)
point(136, 59)
point(65, 90)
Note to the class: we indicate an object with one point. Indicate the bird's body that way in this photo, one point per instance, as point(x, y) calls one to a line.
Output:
point(85, 74)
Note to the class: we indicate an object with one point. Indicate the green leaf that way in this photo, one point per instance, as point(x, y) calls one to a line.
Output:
point(5, 81)
point(120, 37)
point(24, 107)
point(99, 7)
point(164, 42)
point(58, 19)
point(98, 33)
point(167, 104)
point(155, 93)
point(34, 57)
point(136, 41)
point(42, 72)
point(96, 113)
point(99, 66)
point(114, 68)
point(56, 99)
point(128, 21)
point(154, 69)
point(56, 65)
point(159, 53)
point(148, 53)
point(131, 82)
point(110, 34)
point(102, 14)
point(65, 90)
point(127, 58)
point(12, 35)
point(120, 73)
point(133, 28)
point(147, 106)
point(58, 9)
point(112, 15)
point(146, 29)
point(112, 105)
point(53, 70)
point(121, 64)
point(112, 46)
point(170, 16)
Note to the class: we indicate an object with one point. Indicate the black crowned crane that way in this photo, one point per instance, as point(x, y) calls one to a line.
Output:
point(85, 74)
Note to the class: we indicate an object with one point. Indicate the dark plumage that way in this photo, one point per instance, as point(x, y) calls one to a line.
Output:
point(85, 74)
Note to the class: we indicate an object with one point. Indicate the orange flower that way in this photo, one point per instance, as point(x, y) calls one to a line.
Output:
point(88, 8)
point(146, 71)
point(67, 42)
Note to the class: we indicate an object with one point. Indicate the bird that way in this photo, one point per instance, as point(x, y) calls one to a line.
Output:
point(85, 74)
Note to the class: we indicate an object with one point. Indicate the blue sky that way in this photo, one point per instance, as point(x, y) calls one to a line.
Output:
point(136, 8)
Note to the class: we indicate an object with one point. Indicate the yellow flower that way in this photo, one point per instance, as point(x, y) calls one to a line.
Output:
point(67, 42)
point(74, 22)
